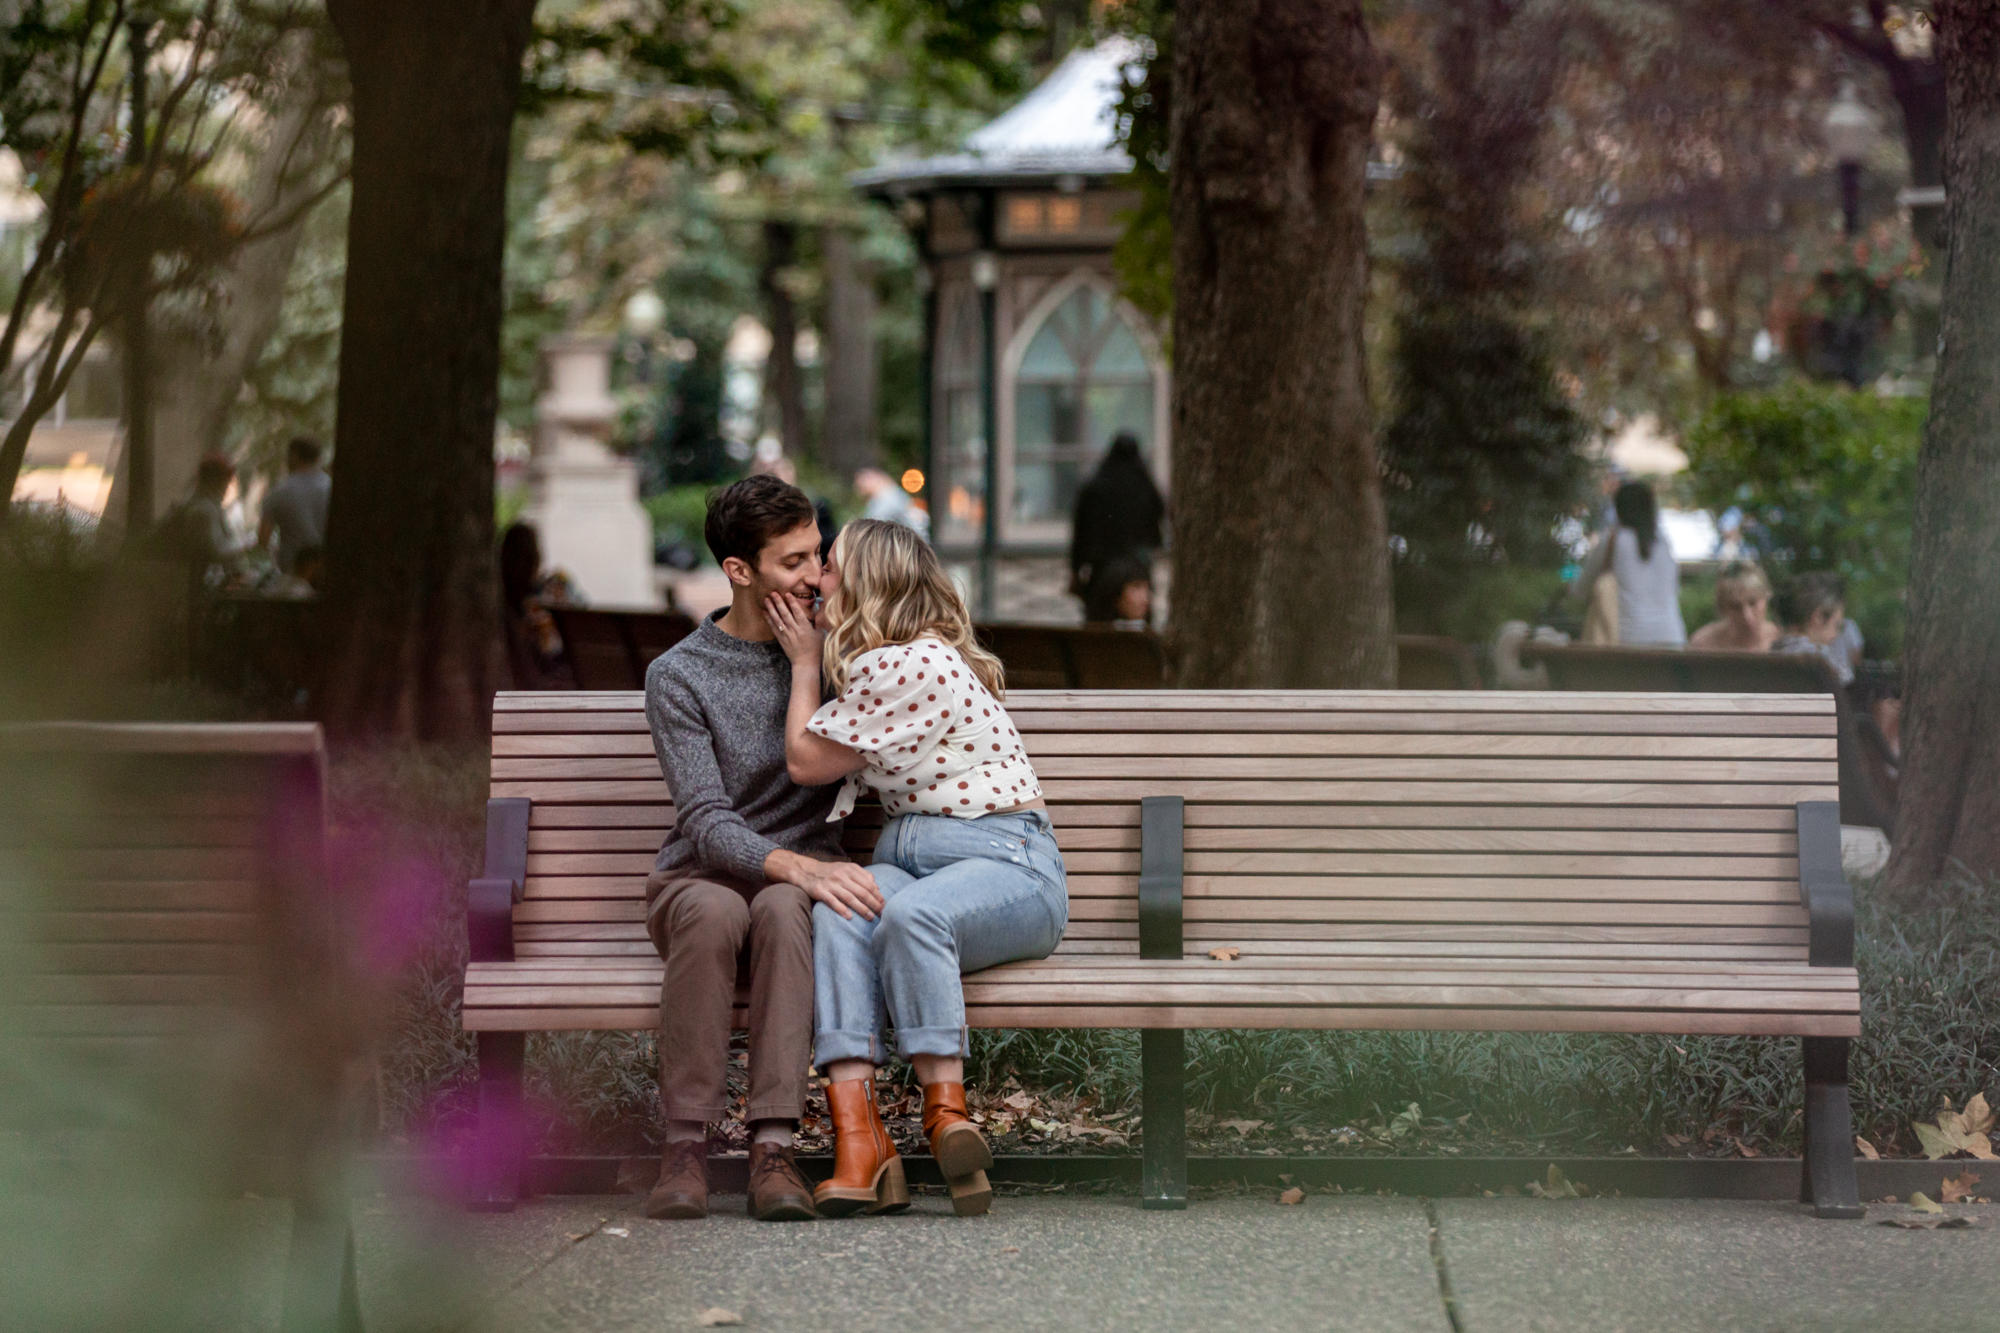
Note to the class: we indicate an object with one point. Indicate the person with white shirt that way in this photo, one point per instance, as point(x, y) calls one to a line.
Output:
point(1649, 580)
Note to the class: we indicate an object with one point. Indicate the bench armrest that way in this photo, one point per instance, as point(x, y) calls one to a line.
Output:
point(1823, 887)
point(1160, 866)
point(490, 899)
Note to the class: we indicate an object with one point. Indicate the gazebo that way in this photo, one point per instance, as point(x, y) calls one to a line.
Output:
point(1028, 344)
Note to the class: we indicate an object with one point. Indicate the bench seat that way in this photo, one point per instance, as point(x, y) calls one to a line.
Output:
point(1449, 860)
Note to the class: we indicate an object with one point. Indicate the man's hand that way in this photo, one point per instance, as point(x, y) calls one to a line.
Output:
point(845, 887)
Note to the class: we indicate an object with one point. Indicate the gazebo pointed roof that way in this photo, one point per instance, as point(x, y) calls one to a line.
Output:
point(1066, 126)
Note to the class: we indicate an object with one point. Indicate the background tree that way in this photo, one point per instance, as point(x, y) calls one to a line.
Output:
point(412, 603)
point(1281, 573)
point(1948, 809)
point(1481, 456)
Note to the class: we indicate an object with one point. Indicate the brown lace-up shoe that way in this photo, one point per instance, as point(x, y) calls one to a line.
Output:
point(683, 1188)
point(778, 1193)
point(867, 1173)
point(960, 1149)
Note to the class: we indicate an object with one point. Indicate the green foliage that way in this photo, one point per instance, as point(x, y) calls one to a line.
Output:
point(1144, 255)
point(677, 517)
point(1828, 475)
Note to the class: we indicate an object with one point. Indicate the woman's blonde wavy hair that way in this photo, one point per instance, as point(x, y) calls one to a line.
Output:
point(892, 590)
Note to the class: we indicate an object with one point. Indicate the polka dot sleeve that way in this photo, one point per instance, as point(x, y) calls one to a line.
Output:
point(896, 705)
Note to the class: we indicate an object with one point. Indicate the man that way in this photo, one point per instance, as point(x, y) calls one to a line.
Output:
point(198, 531)
point(750, 853)
point(295, 509)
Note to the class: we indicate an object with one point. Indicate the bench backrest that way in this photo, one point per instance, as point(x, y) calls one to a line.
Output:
point(165, 919)
point(1615, 825)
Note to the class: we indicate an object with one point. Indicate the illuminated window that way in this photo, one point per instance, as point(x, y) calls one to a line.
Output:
point(1083, 379)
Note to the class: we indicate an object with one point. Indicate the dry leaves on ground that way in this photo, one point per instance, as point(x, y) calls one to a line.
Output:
point(1930, 1223)
point(1292, 1196)
point(1866, 1149)
point(1228, 953)
point(716, 1315)
point(1558, 1186)
point(1921, 1202)
point(1957, 1189)
point(1244, 1127)
point(1959, 1131)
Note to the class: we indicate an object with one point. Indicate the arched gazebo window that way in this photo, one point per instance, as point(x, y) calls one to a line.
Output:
point(1083, 378)
point(964, 440)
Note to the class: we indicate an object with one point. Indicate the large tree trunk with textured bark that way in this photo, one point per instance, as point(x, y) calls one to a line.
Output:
point(412, 605)
point(1281, 563)
point(1948, 809)
point(784, 386)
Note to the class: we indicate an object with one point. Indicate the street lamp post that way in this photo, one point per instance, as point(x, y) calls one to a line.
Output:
point(1850, 129)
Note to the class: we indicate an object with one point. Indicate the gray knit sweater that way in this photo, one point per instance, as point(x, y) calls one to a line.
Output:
point(716, 705)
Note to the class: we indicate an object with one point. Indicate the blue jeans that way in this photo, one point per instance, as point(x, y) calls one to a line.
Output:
point(958, 895)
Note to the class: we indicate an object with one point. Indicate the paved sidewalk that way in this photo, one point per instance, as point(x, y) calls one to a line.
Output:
point(1242, 1265)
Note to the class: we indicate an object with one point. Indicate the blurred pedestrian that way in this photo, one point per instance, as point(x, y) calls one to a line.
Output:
point(295, 508)
point(534, 644)
point(1648, 578)
point(888, 501)
point(1120, 513)
point(1121, 592)
point(197, 532)
point(1742, 596)
point(1813, 611)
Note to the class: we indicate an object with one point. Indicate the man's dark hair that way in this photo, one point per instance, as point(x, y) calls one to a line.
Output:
point(214, 472)
point(743, 517)
point(1804, 595)
point(303, 451)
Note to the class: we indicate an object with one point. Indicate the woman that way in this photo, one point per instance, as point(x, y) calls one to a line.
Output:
point(967, 864)
point(1742, 594)
point(1649, 582)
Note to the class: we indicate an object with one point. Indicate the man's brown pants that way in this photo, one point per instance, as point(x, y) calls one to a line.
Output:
point(710, 928)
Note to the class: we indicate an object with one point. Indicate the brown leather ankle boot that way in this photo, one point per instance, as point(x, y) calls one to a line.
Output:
point(960, 1149)
point(683, 1188)
point(867, 1173)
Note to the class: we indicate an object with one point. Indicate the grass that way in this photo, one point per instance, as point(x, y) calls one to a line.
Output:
point(408, 828)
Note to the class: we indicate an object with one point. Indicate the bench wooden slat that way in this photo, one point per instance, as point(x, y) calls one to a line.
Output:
point(1278, 701)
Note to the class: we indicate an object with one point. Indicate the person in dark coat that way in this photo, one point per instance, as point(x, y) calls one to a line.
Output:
point(1119, 515)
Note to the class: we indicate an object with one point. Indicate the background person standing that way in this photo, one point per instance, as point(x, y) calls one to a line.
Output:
point(1120, 513)
point(295, 509)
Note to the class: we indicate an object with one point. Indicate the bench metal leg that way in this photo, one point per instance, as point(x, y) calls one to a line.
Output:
point(1163, 1104)
point(1827, 1178)
point(498, 1148)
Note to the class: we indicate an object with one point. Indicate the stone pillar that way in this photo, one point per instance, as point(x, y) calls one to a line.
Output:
point(583, 500)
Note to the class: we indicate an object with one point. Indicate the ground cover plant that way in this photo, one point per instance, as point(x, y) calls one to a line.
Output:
point(409, 835)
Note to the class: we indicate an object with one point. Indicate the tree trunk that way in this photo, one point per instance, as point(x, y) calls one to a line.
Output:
point(197, 376)
point(412, 605)
point(1281, 563)
point(784, 386)
point(847, 426)
point(1948, 808)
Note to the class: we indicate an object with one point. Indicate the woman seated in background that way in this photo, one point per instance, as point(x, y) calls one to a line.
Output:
point(1742, 595)
point(1649, 580)
point(1813, 610)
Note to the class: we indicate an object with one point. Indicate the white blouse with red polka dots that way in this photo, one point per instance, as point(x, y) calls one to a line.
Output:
point(936, 742)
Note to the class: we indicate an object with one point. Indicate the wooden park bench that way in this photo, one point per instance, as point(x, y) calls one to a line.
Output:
point(1469, 861)
point(610, 650)
point(172, 989)
point(1867, 777)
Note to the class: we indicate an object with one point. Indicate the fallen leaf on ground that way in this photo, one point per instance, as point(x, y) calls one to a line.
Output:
point(1240, 1126)
point(1959, 1131)
point(1923, 1203)
point(715, 1315)
point(1292, 1196)
point(1010, 1249)
point(1746, 1150)
point(1408, 1121)
point(1226, 954)
point(1957, 1189)
point(1866, 1149)
point(1677, 1140)
point(617, 1231)
point(1558, 1186)
point(1020, 1101)
point(1930, 1223)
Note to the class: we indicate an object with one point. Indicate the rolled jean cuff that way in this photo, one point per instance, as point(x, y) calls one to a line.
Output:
point(690, 1111)
point(837, 1045)
point(934, 1041)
